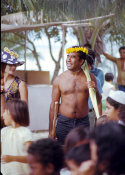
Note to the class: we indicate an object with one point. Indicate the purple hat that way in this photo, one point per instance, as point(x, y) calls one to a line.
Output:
point(10, 57)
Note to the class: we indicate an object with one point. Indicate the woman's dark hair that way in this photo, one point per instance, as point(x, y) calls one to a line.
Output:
point(113, 103)
point(109, 77)
point(3, 66)
point(19, 111)
point(74, 137)
point(121, 113)
point(82, 55)
point(122, 48)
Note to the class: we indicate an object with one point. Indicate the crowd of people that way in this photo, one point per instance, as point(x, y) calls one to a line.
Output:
point(82, 144)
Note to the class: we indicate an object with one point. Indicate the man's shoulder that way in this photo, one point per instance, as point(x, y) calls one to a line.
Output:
point(61, 76)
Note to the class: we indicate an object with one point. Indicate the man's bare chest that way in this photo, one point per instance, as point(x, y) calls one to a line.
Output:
point(69, 86)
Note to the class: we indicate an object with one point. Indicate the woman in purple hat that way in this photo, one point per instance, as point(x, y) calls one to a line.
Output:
point(13, 86)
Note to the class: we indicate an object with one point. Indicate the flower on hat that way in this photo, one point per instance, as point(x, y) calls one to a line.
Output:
point(11, 52)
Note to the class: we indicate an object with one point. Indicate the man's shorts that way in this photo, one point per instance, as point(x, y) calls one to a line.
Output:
point(65, 125)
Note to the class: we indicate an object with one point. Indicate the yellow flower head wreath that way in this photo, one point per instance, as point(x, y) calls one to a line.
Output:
point(76, 49)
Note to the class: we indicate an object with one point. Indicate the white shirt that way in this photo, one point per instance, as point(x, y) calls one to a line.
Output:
point(106, 89)
point(12, 143)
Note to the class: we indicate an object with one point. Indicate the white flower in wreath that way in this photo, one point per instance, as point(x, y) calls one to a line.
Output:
point(4, 56)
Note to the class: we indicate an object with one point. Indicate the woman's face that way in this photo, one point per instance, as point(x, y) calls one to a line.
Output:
point(10, 69)
point(111, 112)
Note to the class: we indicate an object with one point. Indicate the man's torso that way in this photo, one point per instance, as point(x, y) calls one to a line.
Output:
point(74, 95)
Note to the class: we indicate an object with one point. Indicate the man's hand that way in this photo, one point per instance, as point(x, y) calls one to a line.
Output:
point(92, 84)
point(6, 159)
point(50, 136)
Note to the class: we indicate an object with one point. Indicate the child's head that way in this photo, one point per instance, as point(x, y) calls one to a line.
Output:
point(115, 100)
point(109, 77)
point(102, 120)
point(45, 157)
point(75, 136)
point(76, 156)
point(16, 111)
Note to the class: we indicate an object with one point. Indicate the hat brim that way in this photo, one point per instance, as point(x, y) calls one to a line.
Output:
point(17, 63)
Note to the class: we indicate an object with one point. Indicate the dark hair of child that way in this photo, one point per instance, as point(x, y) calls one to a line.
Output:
point(48, 151)
point(19, 111)
point(109, 77)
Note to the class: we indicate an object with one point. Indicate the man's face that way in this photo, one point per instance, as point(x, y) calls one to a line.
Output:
point(36, 168)
point(122, 53)
point(73, 62)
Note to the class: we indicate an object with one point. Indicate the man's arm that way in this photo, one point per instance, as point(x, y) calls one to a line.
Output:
point(55, 97)
point(109, 57)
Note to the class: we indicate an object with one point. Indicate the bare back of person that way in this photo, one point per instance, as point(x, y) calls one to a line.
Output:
point(74, 94)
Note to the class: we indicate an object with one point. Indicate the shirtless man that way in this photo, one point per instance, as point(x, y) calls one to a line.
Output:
point(120, 66)
point(72, 87)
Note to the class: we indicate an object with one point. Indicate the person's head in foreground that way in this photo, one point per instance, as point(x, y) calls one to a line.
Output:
point(9, 61)
point(16, 113)
point(114, 104)
point(75, 137)
point(110, 141)
point(76, 56)
point(102, 120)
point(122, 52)
point(45, 157)
point(77, 156)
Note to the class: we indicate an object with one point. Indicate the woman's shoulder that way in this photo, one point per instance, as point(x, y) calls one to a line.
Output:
point(18, 79)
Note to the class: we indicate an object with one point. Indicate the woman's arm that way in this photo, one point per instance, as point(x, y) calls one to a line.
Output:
point(23, 91)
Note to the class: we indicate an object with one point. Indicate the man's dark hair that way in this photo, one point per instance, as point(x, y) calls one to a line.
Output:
point(90, 57)
point(48, 151)
point(110, 140)
point(19, 111)
point(88, 45)
point(122, 48)
point(82, 55)
point(113, 103)
point(109, 77)
point(79, 154)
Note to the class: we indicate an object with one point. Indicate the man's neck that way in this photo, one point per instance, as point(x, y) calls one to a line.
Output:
point(76, 72)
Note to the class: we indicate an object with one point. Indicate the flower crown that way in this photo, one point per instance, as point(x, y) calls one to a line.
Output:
point(11, 52)
point(77, 49)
